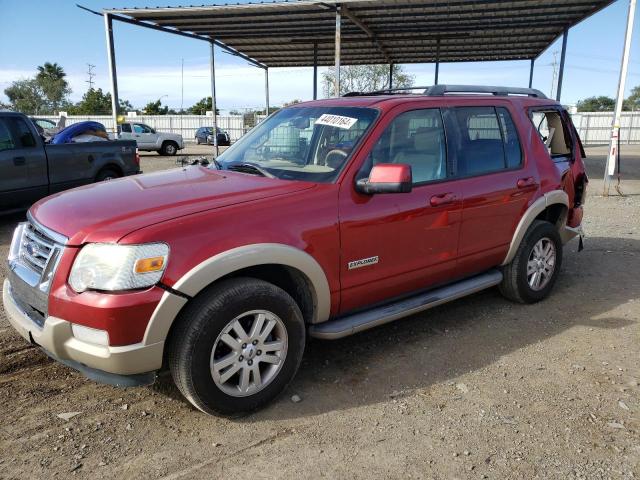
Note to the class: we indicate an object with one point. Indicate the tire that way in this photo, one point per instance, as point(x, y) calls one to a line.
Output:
point(519, 283)
point(198, 342)
point(169, 149)
point(107, 174)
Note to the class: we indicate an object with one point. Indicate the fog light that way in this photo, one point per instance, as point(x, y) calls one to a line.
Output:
point(90, 335)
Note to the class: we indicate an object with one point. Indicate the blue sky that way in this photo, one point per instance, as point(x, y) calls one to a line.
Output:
point(35, 31)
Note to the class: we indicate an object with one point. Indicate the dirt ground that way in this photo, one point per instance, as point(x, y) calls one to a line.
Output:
point(478, 388)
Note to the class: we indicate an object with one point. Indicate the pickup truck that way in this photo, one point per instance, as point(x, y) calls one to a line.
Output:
point(148, 139)
point(31, 169)
point(387, 205)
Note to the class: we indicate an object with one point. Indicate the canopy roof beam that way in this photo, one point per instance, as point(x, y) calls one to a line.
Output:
point(360, 24)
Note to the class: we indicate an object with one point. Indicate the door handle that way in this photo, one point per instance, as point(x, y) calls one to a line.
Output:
point(19, 160)
point(442, 199)
point(526, 182)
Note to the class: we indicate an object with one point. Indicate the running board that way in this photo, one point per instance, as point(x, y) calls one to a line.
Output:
point(358, 322)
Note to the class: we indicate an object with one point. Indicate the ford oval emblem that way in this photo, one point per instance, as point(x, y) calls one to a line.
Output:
point(32, 249)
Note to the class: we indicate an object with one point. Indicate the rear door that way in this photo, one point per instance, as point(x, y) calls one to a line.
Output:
point(23, 164)
point(395, 244)
point(72, 164)
point(497, 183)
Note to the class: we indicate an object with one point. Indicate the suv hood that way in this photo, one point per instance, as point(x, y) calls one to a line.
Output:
point(107, 211)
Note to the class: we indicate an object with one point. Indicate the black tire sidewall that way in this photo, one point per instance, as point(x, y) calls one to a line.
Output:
point(211, 321)
point(104, 174)
point(167, 146)
point(540, 230)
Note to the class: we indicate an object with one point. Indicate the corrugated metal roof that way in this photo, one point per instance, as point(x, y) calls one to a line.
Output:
point(283, 34)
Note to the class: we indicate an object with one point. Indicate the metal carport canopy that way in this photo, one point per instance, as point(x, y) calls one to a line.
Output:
point(290, 34)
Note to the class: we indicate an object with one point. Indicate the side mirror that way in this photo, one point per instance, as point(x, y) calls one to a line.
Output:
point(386, 178)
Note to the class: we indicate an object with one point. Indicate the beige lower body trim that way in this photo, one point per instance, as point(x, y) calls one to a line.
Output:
point(551, 198)
point(57, 338)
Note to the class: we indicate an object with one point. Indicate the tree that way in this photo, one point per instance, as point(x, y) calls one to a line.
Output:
point(202, 107)
point(26, 96)
point(51, 79)
point(155, 108)
point(633, 100)
point(365, 78)
point(96, 102)
point(596, 104)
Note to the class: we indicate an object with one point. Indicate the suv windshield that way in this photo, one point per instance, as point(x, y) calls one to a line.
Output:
point(300, 143)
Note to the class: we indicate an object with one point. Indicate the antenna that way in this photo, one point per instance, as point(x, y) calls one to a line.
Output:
point(91, 75)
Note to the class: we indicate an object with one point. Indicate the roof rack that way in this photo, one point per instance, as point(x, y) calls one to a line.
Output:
point(387, 91)
point(441, 90)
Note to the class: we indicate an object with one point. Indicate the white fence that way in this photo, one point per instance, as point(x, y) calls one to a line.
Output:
point(186, 125)
point(595, 127)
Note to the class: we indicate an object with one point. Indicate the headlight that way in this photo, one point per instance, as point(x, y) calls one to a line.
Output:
point(105, 266)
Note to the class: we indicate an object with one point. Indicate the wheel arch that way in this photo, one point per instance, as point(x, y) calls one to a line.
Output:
point(553, 206)
point(267, 261)
point(109, 166)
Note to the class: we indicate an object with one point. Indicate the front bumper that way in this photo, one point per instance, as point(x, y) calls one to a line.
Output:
point(119, 365)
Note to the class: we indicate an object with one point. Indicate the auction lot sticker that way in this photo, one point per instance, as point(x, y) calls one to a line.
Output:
point(336, 121)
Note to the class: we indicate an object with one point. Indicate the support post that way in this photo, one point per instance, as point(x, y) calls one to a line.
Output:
point(562, 58)
point(266, 90)
point(111, 58)
point(213, 99)
point(315, 71)
point(615, 130)
point(390, 76)
point(337, 52)
point(533, 60)
point(435, 82)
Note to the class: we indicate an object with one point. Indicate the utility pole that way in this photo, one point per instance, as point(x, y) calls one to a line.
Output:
point(91, 75)
point(554, 76)
point(615, 128)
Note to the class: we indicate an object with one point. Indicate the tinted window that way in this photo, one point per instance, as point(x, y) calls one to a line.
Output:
point(125, 127)
point(488, 140)
point(6, 142)
point(21, 133)
point(415, 138)
point(512, 149)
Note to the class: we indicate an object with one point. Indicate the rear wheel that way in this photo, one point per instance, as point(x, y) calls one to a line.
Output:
point(533, 271)
point(236, 346)
point(107, 174)
point(169, 148)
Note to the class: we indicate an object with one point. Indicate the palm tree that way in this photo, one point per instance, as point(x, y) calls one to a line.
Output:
point(51, 79)
point(51, 71)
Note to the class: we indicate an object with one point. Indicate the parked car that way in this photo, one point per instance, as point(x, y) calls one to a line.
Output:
point(205, 135)
point(31, 169)
point(43, 124)
point(149, 140)
point(391, 204)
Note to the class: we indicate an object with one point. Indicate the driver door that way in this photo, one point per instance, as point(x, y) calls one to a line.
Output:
point(396, 244)
point(144, 135)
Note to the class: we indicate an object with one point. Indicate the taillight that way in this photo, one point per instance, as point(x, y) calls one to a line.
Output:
point(137, 157)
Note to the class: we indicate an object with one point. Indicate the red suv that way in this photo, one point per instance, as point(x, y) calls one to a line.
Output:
point(328, 218)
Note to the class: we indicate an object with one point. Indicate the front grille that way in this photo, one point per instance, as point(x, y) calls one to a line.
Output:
point(33, 259)
point(36, 249)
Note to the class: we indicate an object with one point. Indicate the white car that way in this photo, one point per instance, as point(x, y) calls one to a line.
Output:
point(150, 140)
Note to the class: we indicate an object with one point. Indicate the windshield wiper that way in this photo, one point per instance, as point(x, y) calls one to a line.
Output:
point(251, 169)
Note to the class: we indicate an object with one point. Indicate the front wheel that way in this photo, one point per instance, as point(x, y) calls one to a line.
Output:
point(236, 346)
point(534, 269)
point(169, 149)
